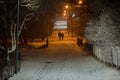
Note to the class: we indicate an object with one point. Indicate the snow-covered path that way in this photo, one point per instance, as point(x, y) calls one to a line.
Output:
point(63, 61)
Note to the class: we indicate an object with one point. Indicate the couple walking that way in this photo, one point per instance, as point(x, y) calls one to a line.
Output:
point(60, 35)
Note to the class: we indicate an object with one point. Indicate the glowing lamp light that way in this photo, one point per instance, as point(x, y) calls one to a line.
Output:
point(64, 11)
point(64, 14)
point(80, 2)
point(66, 6)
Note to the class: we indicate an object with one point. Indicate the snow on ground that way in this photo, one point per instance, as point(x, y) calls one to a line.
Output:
point(63, 61)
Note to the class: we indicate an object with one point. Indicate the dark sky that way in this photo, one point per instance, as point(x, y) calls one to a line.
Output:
point(51, 5)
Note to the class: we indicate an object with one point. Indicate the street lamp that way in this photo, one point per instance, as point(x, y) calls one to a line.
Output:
point(64, 14)
point(70, 14)
point(80, 2)
point(66, 6)
point(65, 11)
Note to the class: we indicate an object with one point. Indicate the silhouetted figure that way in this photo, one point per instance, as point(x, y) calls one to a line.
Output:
point(47, 41)
point(59, 35)
point(79, 41)
point(62, 35)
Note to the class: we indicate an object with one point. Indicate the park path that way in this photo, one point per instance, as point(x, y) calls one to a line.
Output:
point(62, 60)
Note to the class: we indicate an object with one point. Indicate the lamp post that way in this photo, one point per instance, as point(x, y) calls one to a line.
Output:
point(70, 8)
point(66, 15)
point(17, 37)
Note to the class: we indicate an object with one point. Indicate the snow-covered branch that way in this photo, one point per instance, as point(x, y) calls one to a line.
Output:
point(28, 17)
point(30, 4)
point(13, 46)
point(105, 30)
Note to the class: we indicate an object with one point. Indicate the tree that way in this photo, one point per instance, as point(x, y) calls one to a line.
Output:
point(44, 19)
point(109, 21)
point(8, 21)
point(105, 30)
point(91, 31)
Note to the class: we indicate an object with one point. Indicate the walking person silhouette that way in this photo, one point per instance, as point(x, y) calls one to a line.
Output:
point(62, 35)
point(59, 35)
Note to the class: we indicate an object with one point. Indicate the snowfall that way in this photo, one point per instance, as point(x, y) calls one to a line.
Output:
point(62, 60)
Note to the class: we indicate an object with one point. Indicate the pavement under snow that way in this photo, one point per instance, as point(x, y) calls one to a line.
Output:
point(63, 60)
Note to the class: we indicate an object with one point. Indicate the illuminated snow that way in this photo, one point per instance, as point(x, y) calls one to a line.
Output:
point(68, 62)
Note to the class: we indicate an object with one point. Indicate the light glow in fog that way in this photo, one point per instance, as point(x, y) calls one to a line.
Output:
point(60, 24)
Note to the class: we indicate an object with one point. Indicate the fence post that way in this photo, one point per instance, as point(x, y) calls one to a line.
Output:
point(94, 50)
point(111, 56)
point(100, 58)
point(115, 56)
point(117, 48)
point(118, 56)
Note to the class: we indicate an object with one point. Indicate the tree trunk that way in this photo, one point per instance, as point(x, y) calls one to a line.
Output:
point(25, 40)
